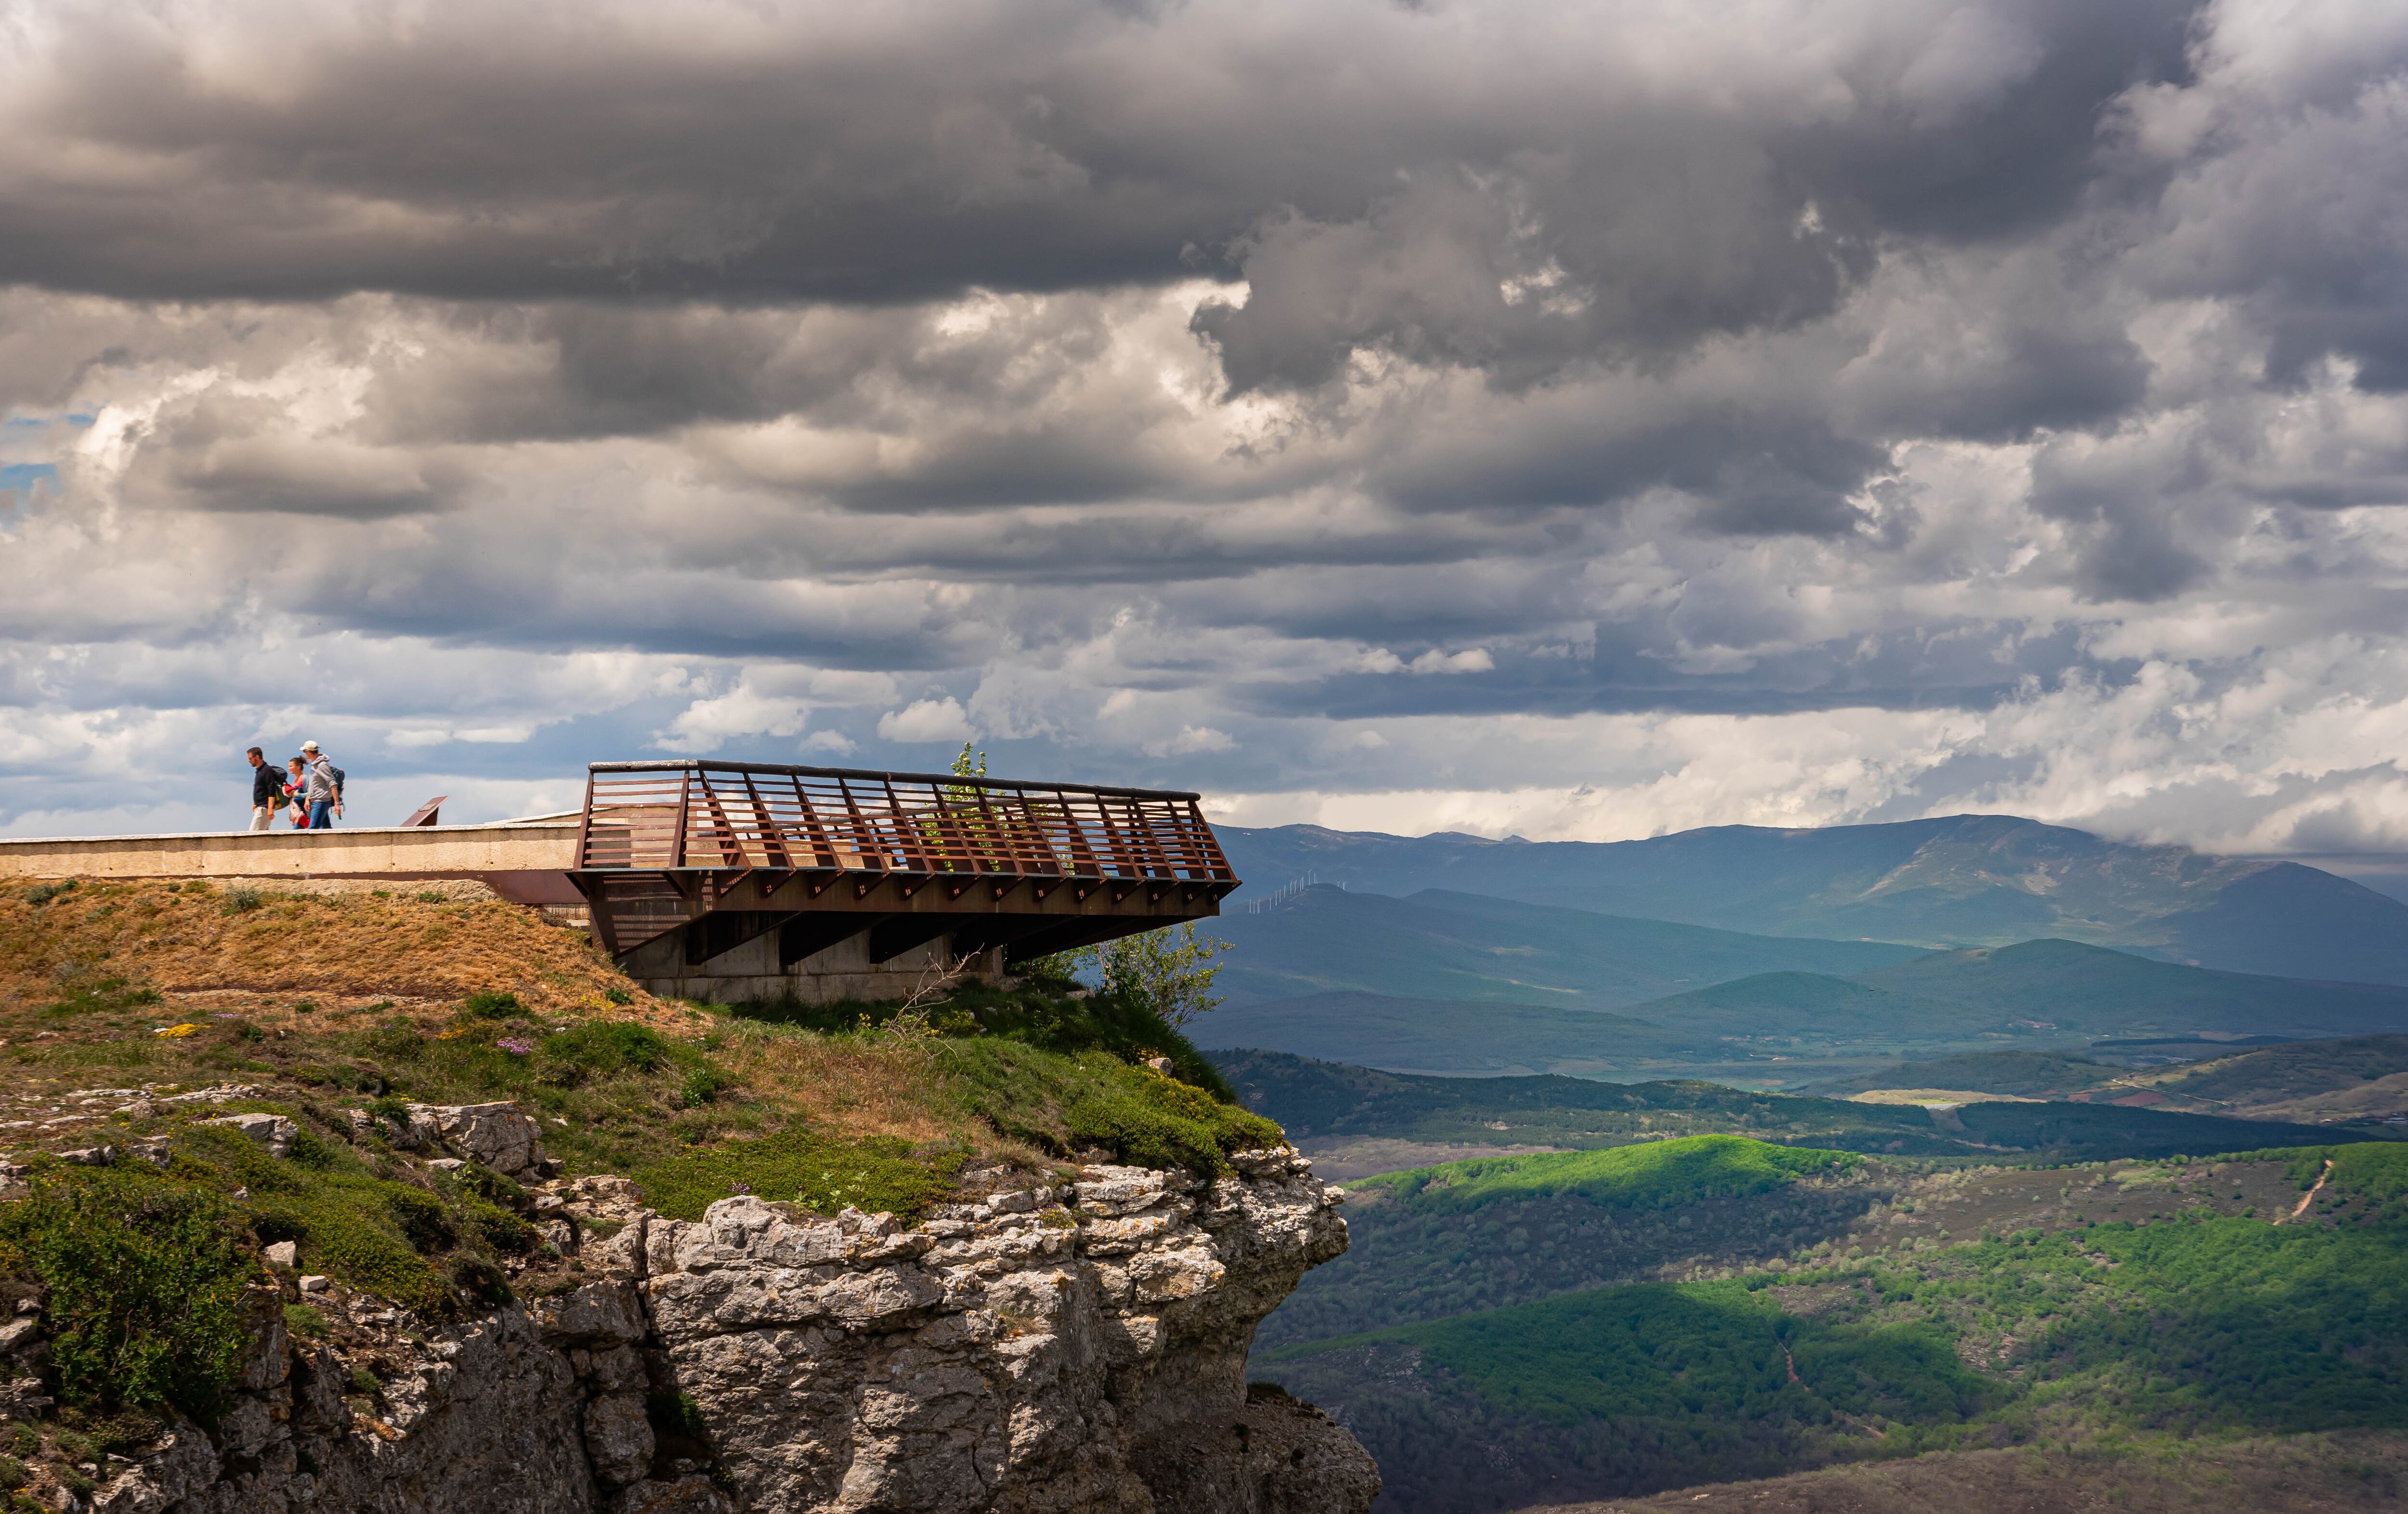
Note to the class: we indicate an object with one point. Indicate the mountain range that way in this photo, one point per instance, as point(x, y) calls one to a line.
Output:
point(1449, 982)
point(1965, 880)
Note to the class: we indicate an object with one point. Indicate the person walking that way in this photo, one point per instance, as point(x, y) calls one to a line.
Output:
point(266, 790)
point(297, 790)
point(326, 792)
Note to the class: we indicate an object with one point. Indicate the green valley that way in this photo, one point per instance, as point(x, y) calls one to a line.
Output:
point(2183, 1315)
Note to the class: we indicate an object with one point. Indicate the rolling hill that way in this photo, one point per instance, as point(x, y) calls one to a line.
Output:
point(1449, 1036)
point(2030, 1075)
point(1962, 880)
point(2091, 990)
point(1440, 945)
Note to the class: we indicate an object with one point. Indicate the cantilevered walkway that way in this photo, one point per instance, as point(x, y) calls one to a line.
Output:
point(745, 880)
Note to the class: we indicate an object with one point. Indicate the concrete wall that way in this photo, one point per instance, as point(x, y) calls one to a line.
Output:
point(750, 974)
point(479, 852)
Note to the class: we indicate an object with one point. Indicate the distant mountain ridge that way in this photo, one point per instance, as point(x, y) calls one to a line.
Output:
point(1961, 880)
point(1448, 983)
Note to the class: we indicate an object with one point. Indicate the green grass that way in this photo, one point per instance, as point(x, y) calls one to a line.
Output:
point(1653, 1176)
point(818, 1173)
point(1067, 1104)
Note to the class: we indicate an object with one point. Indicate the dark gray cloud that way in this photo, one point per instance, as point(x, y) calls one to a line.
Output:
point(1569, 417)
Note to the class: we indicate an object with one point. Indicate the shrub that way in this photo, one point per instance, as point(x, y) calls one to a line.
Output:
point(481, 1279)
point(305, 1321)
point(602, 1047)
point(424, 1222)
point(618, 995)
point(502, 1229)
point(492, 1003)
point(700, 1085)
point(145, 1285)
point(42, 893)
point(241, 901)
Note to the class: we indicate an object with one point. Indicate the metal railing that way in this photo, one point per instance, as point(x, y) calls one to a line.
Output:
point(694, 813)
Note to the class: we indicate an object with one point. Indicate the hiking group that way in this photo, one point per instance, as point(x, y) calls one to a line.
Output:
point(309, 786)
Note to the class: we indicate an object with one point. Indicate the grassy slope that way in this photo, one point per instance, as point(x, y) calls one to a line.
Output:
point(199, 940)
point(1653, 1176)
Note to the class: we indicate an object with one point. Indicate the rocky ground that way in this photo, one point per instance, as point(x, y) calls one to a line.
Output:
point(1069, 1350)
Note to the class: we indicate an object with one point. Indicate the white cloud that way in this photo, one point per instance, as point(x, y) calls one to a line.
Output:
point(926, 720)
point(1475, 660)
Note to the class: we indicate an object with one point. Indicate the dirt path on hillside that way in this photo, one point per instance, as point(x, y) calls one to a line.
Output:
point(2303, 1206)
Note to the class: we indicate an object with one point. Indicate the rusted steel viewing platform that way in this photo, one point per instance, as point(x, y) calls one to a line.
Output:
point(747, 880)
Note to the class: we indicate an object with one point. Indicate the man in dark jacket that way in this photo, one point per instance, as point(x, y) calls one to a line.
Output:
point(266, 790)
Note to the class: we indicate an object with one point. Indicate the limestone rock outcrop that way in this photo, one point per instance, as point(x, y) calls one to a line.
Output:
point(1070, 1348)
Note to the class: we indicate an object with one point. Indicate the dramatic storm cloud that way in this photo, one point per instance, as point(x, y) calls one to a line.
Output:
point(1582, 420)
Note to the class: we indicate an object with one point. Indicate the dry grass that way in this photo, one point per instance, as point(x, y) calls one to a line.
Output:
point(358, 947)
point(2289, 1476)
point(856, 1086)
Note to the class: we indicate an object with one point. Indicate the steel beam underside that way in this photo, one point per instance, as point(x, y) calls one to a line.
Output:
point(718, 909)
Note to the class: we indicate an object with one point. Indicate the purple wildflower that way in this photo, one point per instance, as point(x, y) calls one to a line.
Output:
point(517, 1046)
point(739, 1188)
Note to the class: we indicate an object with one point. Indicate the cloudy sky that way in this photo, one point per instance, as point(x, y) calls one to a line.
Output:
point(1577, 419)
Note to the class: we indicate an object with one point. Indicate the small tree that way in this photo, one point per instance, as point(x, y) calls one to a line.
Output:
point(1168, 971)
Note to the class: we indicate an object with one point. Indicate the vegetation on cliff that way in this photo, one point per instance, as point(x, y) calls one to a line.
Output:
point(133, 1015)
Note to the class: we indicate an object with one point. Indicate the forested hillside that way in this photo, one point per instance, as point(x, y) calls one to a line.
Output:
point(2194, 1321)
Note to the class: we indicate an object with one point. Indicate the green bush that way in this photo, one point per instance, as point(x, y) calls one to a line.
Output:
point(492, 1003)
point(241, 901)
point(422, 1219)
point(599, 1049)
point(1067, 1104)
point(502, 1229)
point(700, 1085)
point(305, 1321)
point(145, 1282)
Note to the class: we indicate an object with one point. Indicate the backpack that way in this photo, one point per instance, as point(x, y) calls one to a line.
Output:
point(338, 781)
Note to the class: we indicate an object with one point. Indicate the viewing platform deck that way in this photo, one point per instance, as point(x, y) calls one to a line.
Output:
point(745, 880)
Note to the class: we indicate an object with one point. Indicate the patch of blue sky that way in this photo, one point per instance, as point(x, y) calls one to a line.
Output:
point(19, 483)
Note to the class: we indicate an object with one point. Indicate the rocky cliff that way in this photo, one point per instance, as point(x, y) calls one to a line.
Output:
point(1071, 1348)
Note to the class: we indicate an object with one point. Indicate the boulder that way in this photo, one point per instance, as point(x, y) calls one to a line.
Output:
point(501, 1136)
point(617, 1439)
point(271, 1131)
